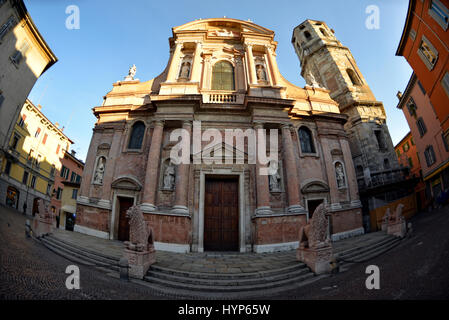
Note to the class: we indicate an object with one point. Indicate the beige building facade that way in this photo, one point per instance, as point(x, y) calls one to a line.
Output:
point(24, 56)
point(221, 79)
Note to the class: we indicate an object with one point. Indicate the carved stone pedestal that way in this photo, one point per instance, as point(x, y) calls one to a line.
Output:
point(317, 259)
point(42, 226)
point(398, 229)
point(139, 262)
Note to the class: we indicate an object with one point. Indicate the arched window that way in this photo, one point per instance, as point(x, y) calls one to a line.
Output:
point(306, 140)
point(324, 32)
point(136, 138)
point(307, 35)
point(223, 76)
point(359, 171)
point(354, 79)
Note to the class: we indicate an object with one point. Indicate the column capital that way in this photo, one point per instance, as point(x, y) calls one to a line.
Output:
point(181, 42)
point(286, 126)
point(159, 123)
point(258, 125)
point(186, 123)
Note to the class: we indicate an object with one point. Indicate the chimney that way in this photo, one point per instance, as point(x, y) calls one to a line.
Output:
point(39, 107)
point(399, 95)
point(57, 125)
point(73, 152)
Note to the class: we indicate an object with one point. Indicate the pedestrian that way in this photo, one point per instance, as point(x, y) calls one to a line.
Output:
point(24, 208)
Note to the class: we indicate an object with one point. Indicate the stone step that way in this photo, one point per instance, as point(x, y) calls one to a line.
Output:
point(243, 281)
point(75, 256)
point(227, 276)
point(350, 253)
point(82, 251)
point(369, 254)
point(229, 288)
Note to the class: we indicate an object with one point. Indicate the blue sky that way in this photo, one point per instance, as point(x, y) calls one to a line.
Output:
point(115, 34)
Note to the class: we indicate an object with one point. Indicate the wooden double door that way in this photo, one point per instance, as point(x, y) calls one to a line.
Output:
point(221, 214)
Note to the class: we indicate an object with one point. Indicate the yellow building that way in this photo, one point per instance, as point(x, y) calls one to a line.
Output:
point(32, 159)
point(24, 57)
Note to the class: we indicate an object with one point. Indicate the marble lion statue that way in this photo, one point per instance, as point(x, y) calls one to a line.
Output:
point(140, 234)
point(397, 215)
point(314, 233)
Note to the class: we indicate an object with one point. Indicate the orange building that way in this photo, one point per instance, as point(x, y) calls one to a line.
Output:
point(425, 45)
point(408, 157)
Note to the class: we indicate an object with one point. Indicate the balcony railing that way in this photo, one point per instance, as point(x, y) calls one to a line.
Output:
point(222, 97)
point(382, 178)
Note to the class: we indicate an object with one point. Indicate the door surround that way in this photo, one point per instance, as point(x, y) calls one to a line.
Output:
point(241, 181)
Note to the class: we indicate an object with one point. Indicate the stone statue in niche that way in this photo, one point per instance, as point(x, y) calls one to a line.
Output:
point(99, 171)
point(340, 175)
point(261, 74)
point(185, 70)
point(169, 177)
point(275, 180)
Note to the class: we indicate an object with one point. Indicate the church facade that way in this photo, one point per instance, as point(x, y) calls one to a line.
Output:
point(223, 99)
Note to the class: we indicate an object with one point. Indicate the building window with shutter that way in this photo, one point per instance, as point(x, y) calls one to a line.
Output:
point(440, 13)
point(430, 156)
point(421, 127)
point(223, 76)
point(17, 57)
point(445, 83)
point(8, 25)
point(411, 106)
point(427, 53)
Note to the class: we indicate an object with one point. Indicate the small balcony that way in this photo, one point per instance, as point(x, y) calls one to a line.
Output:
point(382, 178)
point(222, 97)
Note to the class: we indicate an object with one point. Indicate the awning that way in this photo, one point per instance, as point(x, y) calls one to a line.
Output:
point(69, 208)
point(437, 171)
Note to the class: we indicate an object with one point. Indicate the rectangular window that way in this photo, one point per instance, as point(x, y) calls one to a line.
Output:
point(398, 152)
point(421, 126)
point(15, 142)
point(45, 139)
point(430, 156)
point(59, 194)
point(427, 53)
point(446, 140)
point(57, 149)
point(421, 87)
point(2, 98)
point(411, 106)
point(380, 139)
point(22, 120)
point(25, 178)
point(445, 83)
point(410, 162)
point(38, 131)
point(74, 193)
point(8, 167)
point(18, 55)
point(406, 147)
point(440, 13)
point(8, 25)
point(49, 189)
point(73, 177)
point(33, 182)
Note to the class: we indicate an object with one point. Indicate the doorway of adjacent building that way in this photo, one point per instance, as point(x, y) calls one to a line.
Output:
point(221, 214)
point(312, 205)
point(123, 224)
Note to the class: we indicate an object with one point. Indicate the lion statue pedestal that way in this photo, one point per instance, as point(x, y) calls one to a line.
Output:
point(396, 223)
point(315, 248)
point(43, 221)
point(139, 250)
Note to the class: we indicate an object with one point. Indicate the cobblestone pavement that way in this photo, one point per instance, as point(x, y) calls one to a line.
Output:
point(415, 269)
point(28, 270)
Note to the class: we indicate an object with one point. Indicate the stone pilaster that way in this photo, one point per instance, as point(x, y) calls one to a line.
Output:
point(182, 176)
point(350, 174)
point(251, 66)
point(151, 174)
point(262, 185)
point(294, 204)
point(196, 71)
point(171, 76)
point(273, 65)
point(330, 170)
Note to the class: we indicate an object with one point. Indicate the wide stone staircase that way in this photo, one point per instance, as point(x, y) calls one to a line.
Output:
point(191, 275)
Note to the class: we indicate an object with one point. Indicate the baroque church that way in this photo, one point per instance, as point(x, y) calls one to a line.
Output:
point(222, 74)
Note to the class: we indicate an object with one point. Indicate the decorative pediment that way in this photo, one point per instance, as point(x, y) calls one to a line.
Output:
point(315, 186)
point(127, 183)
point(228, 152)
point(223, 27)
